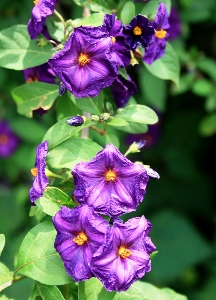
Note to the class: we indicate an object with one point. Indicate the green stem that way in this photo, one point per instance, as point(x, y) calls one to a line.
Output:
point(127, 152)
point(62, 20)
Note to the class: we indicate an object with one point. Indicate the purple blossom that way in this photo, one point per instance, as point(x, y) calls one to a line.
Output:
point(157, 46)
point(114, 28)
point(40, 12)
point(75, 121)
point(175, 24)
point(86, 65)
point(8, 140)
point(122, 89)
point(80, 232)
point(42, 73)
point(138, 32)
point(40, 180)
point(110, 183)
point(125, 255)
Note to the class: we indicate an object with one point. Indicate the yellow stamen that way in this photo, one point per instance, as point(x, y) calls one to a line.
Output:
point(110, 175)
point(80, 239)
point(34, 172)
point(113, 39)
point(137, 30)
point(3, 139)
point(36, 2)
point(160, 34)
point(124, 252)
point(32, 79)
point(83, 59)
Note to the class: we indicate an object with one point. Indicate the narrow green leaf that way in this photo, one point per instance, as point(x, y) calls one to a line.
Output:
point(167, 67)
point(6, 277)
point(2, 242)
point(46, 292)
point(61, 132)
point(127, 12)
point(92, 105)
point(34, 95)
point(19, 52)
point(138, 113)
point(38, 259)
point(71, 152)
point(52, 200)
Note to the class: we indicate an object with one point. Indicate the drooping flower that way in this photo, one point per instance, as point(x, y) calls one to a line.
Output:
point(76, 121)
point(80, 232)
point(42, 73)
point(138, 32)
point(40, 12)
point(40, 179)
point(114, 28)
point(8, 140)
point(157, 46)
point(125, 255)
point(175, 24)
point(86, 65)
point(122, 89)
point(110, 183)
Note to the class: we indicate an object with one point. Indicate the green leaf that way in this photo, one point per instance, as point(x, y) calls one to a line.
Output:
point(111, 139)
point(55, 29)
point(202, 87)
point(46, 292)
point(134, 127)
point(52, 200)
point(34, 95)
point(61, 132)
point(138, 113)
point(167, 67)
point(6, 277)
point(3, 297)
point(2, 242)
point(127, 12)
point(95, 19)
point(207, 126)
point(92, 105)
point(71, 152)
point(19, 52)
point(208, 66)
point(150, 8)
point(38, 259)
point(65, 107)
point(93, 290)
point(117, 122)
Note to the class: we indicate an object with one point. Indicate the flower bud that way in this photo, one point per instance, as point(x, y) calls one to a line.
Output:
point(76, 121)
point(62, 89)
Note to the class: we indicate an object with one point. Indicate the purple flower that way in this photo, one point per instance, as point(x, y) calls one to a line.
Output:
point(85, 65)
point(122, 89)
point(75, 121)
point(40, 180)
point(157, 46)
point(110, 183)
point(8, 140)
point(42, 9)
point(125, 255)
point(138, 32)
point(175, 24)
point(114, 28)
point(42, 73)
point(80, 232)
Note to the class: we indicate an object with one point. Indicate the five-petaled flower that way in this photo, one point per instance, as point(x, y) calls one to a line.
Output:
point(157, 46)
point(125, 255)
point(138, 32)
point(110, 183)
point(80, 232)
point(40, 12)
point(86, 64)
point(8, 140)
point(40, 179)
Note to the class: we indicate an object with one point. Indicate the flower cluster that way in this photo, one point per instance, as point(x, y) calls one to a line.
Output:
point(89, 246)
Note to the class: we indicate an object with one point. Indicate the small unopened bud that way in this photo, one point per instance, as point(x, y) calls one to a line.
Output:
point(104, 117)
point(62, 89)
point(76, 121)
point(136, 146)
point(119, 110)
point(95, 118)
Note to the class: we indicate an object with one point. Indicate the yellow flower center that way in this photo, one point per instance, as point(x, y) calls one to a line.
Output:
point(32, 78)
point(80, 239)
point(3, 139)
point(124, 252)
point(137, 30)
point(34, 172)
point(83, 59)
point(160, 34)
point(113, 39)
point(36, 2)
point(110, 175)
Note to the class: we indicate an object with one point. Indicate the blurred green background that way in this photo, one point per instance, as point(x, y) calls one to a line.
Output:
point(180, 205)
